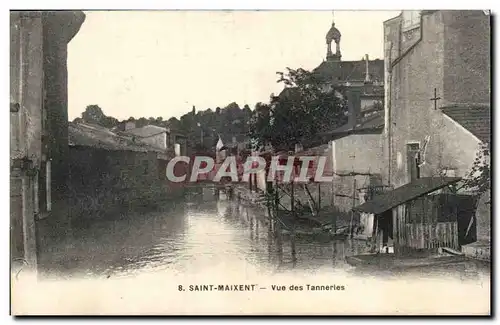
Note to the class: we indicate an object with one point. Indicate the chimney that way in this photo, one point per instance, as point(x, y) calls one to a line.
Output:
point(367, 69)
point(354, 107)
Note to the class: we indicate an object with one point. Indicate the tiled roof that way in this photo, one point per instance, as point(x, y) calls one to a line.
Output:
point(405, 193)
point(350, 70)
point(89, 135)
point(475, 118)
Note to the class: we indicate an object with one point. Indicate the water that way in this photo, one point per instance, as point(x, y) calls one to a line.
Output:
point(222, 242)
point(191, 236)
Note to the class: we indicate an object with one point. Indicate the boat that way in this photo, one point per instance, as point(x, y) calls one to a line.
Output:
point(391, 261)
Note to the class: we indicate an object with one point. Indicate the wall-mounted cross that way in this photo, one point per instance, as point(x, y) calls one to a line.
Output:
point(435, 99)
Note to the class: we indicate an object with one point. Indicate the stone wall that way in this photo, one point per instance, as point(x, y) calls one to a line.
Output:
point(412, 113)
point(359, 154)
point(59, 27)
point(103, 181)
point(467, 59)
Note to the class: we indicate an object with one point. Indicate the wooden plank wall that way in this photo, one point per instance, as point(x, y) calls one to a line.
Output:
point(422, 235)
point(427, 236)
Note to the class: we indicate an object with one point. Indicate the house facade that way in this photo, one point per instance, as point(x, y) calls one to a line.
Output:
point(38, 122)
point(437, 105)
point(355, 149)
point(152, 135)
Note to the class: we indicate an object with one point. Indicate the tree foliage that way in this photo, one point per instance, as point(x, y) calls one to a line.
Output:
point(479, 177)
point(302, 110)
point(228, 122)
point(93, 114)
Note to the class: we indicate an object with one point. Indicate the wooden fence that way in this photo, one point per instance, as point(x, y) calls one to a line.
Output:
point(427, 236)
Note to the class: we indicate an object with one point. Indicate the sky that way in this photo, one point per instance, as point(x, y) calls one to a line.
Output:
point(161, 63)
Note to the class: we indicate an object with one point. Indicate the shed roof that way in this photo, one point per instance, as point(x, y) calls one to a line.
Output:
point(405, 193)
point(474, 118)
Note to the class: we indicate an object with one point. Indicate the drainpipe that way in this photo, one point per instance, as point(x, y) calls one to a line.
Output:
point(387, 117)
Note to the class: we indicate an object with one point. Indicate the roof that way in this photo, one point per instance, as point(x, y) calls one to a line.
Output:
point(405, 193)
point(368, 123)
point(350, 70)
point(147, 131)
point(90, 135)
point(474, 118)
point(314, 151)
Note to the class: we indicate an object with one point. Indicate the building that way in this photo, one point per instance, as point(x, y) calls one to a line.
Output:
point(110, 172)
point(362, 80)
point(437, 106)
point(163, 138)
point(152, 135)
point(355, 149)
point(177, 140)
point(38, 122)
point(436, 114)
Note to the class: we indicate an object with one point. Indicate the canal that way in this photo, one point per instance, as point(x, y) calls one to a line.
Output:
point(206, 241)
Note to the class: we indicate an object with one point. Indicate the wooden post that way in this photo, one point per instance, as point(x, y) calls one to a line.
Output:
point(48, 189)
point(375, 233)
point(292, 208)
point(319, 197)
point(353, 205)
point(269, 208)
point(395, 233)
point(334, 216)
point(277, 222)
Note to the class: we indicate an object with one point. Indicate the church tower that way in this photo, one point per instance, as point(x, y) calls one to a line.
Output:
point(333, 35)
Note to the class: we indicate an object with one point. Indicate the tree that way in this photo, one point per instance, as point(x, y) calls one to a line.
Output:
point(479, 178)
point(260, 126)
point(93, 114)
point(299, 113)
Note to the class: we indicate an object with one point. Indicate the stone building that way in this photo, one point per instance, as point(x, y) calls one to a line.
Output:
point(38, 121)
point(437, 106)
point(354, 150)
point(435, 112)
point(164, 138)
point(362, 80)
point(152, 135)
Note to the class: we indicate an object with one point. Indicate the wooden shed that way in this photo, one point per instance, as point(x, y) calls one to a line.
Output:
point(417, 216)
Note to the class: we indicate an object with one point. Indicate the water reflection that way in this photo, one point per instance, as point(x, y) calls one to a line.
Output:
point(216, 236)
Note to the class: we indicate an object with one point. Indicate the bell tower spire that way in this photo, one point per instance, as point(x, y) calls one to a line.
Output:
point(333, 35)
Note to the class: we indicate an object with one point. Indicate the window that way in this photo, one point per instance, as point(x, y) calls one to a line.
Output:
point(413, 160)
point(145, 165)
